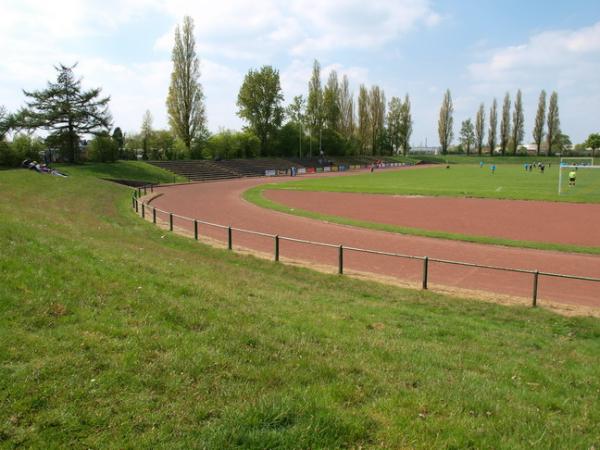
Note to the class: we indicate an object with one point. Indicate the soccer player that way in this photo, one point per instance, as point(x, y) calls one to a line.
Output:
point(572, 176)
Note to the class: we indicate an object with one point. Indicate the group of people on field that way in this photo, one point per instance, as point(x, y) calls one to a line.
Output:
point(536, 165)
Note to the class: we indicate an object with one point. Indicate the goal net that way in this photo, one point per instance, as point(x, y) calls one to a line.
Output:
point(578, 176)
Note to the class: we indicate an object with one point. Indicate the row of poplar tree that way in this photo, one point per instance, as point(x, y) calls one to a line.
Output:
point(508, 138)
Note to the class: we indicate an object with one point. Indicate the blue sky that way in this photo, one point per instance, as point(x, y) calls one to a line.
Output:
point(478, 49)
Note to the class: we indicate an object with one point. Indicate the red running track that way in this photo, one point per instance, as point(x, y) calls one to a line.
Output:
point(221, 202)
point(536, 221)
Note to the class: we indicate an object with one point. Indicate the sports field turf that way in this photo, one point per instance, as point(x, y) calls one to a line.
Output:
point(114, 333)
point(510, 181)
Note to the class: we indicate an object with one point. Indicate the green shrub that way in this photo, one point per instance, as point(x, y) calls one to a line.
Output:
point(103, 149)
point(22, 147)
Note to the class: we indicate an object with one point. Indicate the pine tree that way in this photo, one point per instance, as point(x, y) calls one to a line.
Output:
point(67, 112)
point(185, 101)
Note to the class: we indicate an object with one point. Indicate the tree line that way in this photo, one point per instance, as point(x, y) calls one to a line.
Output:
point(327, 119)
point(507, 138)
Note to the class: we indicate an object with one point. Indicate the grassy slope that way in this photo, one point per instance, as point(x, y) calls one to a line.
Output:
point(115, 333)
point(124, 170)
point(509, 182)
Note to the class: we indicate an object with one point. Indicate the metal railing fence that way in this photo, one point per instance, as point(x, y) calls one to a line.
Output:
point(341, 249)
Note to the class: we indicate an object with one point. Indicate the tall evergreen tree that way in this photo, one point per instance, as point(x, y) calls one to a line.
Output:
point(185, 100)
point(493, 127)
point(346, 109)
point(467, 135)
point(445, 122)
point(505, 125)
point(540, 119)
point(553, 123)
point(406, 125)
point(259, 102)
point(364, 120)
point(314, 106)
point(480, 128)
point(331, 102)
point(518, 122)
point(67, 112)
point(119, 139)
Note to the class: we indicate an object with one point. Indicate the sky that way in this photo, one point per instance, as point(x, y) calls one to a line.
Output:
point(478, 49)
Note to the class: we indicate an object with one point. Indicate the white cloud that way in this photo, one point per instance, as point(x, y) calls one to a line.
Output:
point(564, 60)
point(551, 54)
point(232, 36)
point(238, 28)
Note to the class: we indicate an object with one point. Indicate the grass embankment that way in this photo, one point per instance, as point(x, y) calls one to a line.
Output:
point(114, 333)
point(509, 182)
point(124, 170)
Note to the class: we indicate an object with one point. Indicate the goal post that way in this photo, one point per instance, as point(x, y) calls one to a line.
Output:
point(577, 161)
point(586, 174)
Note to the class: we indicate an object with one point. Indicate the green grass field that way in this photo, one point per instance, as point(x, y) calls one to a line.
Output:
point(510, 181)
point(114, 333)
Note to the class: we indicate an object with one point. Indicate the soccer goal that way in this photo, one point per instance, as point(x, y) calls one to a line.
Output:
point(578, 175)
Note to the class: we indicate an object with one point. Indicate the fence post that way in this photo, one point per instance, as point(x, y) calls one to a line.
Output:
point(229, 238)
point(139, 190)
point(137, 206)
point(195, 229)
point(536, 275)
point(151, 188)
point(170, 221)
point(133, 201)
point(341, 259)
point(276, 247)
point(145, 190)
point(143, 211)
point(153, 215)
point(425, 271)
